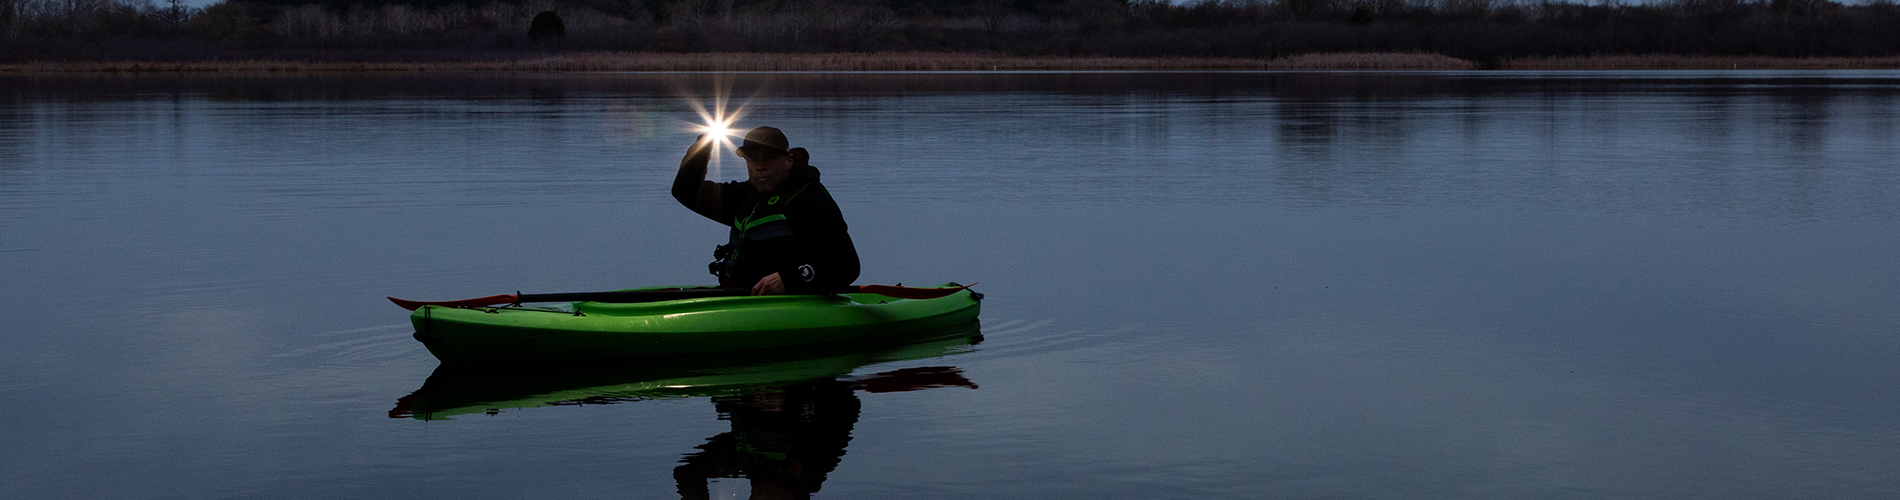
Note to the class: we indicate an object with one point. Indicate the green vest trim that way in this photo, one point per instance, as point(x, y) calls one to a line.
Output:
point(762, 220)
point(744, 224)
point(741, 225)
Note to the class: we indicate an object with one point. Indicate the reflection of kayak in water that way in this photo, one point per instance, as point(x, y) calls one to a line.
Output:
point(458, 389)
point(600, 330)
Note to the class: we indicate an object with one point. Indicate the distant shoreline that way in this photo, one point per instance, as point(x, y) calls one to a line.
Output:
point(907, 61)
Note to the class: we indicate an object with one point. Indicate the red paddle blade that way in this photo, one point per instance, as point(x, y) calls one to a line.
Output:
point(478, 302)
point(908, 379)
point(904, 292)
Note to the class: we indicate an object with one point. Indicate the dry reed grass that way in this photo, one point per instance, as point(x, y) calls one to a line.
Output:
point(912, 61)
point(1370, 61)
point(1700, 62)
point(624, 61)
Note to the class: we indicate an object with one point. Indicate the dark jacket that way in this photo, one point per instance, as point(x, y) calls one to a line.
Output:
point(796, 231)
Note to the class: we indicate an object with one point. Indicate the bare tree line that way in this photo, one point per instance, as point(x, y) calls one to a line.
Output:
point(1473, 29)
point(55, 18)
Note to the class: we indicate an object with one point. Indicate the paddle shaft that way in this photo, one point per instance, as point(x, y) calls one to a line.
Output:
point(630, 296)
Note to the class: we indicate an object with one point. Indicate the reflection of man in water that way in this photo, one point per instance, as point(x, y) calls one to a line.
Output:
point(786, 441)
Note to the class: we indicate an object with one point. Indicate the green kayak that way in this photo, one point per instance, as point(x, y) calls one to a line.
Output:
point(600, 330)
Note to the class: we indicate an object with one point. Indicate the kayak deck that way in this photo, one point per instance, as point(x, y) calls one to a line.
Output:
point(597, 330)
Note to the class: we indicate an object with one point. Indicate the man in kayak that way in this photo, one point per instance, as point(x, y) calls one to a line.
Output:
point(787, 236)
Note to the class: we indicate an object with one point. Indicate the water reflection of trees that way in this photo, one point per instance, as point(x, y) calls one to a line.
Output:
point(1781, 144)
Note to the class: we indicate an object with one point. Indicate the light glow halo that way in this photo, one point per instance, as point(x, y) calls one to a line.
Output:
point(717, 123)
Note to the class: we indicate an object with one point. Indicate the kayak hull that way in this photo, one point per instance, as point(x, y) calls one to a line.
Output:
point(595, 330)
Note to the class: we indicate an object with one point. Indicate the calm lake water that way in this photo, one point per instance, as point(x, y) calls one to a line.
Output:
point(1200, 285)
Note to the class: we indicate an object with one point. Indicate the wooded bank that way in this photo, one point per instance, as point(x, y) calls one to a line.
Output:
point(944, 34)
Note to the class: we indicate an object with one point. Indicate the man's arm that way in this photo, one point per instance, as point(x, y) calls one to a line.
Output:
point(830, 260)
point(692, 189)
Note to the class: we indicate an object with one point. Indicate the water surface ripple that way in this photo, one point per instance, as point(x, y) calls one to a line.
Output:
point(1239, 285)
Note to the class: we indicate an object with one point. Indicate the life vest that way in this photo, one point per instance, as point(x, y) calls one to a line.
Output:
point(766, 221)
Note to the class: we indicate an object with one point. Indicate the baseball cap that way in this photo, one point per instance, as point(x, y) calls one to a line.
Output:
point(764, 139)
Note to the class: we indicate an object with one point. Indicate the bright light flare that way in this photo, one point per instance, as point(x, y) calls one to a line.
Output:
point(716, 123)
point(717, 126)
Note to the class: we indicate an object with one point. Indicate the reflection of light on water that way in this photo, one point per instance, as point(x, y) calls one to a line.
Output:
point(718, 488)
point(716, 123)
point(633, 123)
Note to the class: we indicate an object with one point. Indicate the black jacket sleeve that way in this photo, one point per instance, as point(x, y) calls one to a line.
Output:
point(829, 262)
point(710, 199)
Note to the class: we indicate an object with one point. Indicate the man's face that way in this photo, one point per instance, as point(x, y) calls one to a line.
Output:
point(767, 173)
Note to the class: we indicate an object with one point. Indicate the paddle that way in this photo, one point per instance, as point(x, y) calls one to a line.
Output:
point(628, 296)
